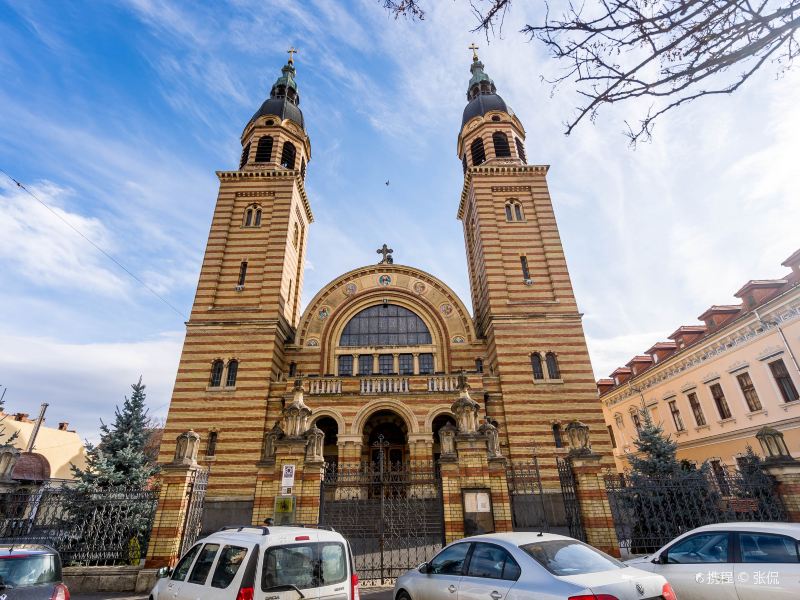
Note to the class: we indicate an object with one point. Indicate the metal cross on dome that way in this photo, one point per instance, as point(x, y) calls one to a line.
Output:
point(387, 255)
point(474, 49)
point(291, 52)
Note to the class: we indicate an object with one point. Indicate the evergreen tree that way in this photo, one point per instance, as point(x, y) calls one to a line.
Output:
point(120, 458)
point(657, 450)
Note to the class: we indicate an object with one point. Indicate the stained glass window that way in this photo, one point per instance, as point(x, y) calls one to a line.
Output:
point(385, 325)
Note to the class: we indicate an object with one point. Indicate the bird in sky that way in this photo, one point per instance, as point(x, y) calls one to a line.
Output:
point(387, 182)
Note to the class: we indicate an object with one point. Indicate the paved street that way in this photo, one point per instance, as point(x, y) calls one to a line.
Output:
point(377, 593)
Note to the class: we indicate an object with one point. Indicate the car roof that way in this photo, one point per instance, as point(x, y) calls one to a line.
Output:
point(518, 538)
point(271, 535)
point(792, 529)
point(24, 549)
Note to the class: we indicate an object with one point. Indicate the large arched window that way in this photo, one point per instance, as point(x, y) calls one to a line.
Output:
point(501, 147)
point(478, 152)
point(264, 149)
point(385, 325)
point(552, 366)
point(288, 155)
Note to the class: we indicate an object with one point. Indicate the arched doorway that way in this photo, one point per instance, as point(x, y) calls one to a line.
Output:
point(439, 422)
point(386, 440)
point(330, 450)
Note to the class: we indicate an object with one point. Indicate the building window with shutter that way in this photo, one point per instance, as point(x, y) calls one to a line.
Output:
point(233, 370)
point(216, 374)
point(676, 416)
point(749, 391)
point(719, 400)
point(697, 410)
point(211, 448)
point(784, 381)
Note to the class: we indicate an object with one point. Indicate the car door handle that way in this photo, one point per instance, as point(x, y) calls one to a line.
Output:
point(496, 595)
point(452, 589)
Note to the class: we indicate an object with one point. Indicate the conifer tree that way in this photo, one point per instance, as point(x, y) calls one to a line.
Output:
point(120, 458)
point(657, 451)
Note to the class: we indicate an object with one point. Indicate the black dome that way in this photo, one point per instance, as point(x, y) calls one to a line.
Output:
point(483, 103)
point(281, 107)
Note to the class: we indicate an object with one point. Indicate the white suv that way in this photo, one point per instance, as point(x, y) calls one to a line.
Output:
point(282, 563)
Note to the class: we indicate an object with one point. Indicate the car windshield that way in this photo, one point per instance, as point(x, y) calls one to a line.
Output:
point(26, 570)
point(570, 557)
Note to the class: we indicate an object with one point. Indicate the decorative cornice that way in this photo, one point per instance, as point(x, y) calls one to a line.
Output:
point(256, 194)
point(511, 188)
point(494, 169)
point(712, 348)
point(277, 173)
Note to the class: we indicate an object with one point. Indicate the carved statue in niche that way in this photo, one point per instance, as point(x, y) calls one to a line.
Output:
point(447, 440)
point(186, 447)
point(492, 437)
point(465, 408)
point(315, 438)
point(296, 414)
point(8, 459)
point(273, 435)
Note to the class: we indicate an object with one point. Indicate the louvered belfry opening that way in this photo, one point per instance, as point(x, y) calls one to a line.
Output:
point(478, 152)
point(501, 147)
point(245, 155)
point(264, 149)
point(288, 155)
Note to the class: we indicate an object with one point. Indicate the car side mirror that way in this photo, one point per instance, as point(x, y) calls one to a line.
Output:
point(661, 559)
point(425, 568)
point(163, 572)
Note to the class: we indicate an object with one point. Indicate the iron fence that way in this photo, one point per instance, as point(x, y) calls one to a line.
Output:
point(104, 527)
point(650, 511)
point(390, 513)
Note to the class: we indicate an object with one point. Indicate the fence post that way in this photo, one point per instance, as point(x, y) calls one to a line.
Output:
point(596, 517)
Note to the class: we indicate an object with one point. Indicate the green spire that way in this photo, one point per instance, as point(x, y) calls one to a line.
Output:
point(480, 83)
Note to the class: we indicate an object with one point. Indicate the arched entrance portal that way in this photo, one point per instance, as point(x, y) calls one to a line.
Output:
point(330, 428)
point(385, 440)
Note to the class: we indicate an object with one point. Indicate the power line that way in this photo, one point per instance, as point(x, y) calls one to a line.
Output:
point(98, 248)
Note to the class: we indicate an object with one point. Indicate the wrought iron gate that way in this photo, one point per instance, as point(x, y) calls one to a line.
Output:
point(571, 506)
point(390, 513)
point(192, 523)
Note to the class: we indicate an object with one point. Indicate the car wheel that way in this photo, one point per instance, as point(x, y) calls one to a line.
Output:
point(403, 595)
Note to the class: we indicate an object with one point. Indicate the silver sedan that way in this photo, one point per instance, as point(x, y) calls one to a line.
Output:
point(525, 565)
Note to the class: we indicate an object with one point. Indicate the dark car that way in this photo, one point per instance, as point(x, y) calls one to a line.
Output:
point(29, 572)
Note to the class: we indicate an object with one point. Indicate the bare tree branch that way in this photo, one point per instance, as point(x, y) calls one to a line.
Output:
point(672, 51)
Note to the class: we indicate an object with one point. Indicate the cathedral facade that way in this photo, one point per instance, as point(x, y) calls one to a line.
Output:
point(382, 354)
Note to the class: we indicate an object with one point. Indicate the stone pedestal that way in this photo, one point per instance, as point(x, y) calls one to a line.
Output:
point(787, 474)
point(596, 518)
point(471, 468)
point(170, 517)
point(306, 489)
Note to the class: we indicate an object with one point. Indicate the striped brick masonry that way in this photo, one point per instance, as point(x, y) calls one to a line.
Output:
point(788, 478)
point(590, 488)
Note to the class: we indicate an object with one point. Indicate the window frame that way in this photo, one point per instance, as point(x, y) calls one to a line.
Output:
point(339, 371)
point(405, 363)
point(786, 377)
point(218, 563)
point(197, 547)
point(211, 443)
point(503, 146)
point(288, 150)
point(747, 389)
point(720, 401)
point(424, 370)
point(400, 326)
point(477, 151)
point(551, 362)
point(316, 548)
point(230, 380)
point(196, 564)
point(537, 366)
point(215, 381)
point(471, 552)
point(677, 420)
point(729, 558)
point(737, 548)
point(264, 140)
point(463, 564)
point(697, 409)
point(242, 273)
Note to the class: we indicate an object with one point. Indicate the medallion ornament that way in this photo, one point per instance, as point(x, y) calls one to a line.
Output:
point(420, 288)
point(385, 280)
point(446, 309)
point(324, 313)
point(350, 289)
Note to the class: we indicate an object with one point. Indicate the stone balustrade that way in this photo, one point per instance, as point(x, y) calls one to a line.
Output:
point(442, 383)
point(324, 385)
point(384, 385)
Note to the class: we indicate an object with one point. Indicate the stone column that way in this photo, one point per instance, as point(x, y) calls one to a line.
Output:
point(173, 502)
point(415, 356)
point(595, 511)
point(396, 363)
point(355, 364)
point(376, 370)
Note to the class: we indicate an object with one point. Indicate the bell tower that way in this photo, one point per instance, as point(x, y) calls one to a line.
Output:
point(247, 304)
point(522, 297)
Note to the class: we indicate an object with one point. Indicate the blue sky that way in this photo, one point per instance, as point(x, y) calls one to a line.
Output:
point(118, 114)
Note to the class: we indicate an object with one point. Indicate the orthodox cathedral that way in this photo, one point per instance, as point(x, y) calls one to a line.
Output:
point(386, 365)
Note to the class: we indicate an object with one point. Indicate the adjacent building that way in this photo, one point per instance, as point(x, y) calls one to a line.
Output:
point(713, 385)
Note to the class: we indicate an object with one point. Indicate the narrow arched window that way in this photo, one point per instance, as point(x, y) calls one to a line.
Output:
point(242, 273)
point(216, 374)
point(509, 214)
point(557, 436)
point(521, 150)
point(500, 142)
point(464, 162)
point(257, 221)
point(303, 168)
point(264, 149)
point(295, 235)
point(211, 448)
point(518, 212)
point(292, 369)
point(233, 369)
point(478, 153)
point(552, 366)
point(245, 155)
point(514, 211)
point(248, 217)
point(288, 155)
point(536, 365)
point(479, 365)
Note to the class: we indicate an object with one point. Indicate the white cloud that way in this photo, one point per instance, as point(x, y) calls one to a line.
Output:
point(41, 248)
point(83, 382)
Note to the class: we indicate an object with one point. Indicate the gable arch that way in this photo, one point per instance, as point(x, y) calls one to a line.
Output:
point(378, 405)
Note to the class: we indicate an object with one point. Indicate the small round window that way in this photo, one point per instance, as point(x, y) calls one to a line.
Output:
point(495, 117)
